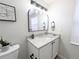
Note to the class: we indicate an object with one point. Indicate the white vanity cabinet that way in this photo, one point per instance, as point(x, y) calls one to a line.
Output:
point(43, 49)
point(55, 47)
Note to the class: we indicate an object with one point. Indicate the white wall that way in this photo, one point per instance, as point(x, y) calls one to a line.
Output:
point(17, 31)
point(62, 11)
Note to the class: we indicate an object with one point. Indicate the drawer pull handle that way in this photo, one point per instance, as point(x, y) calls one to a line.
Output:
point(53, 42)
point(35, 57)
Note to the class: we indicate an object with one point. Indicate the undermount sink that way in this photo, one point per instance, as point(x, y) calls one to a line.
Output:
point(48, 35)
point(41, 40)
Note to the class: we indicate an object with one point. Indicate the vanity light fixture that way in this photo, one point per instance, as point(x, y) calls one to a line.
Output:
point(38, 5)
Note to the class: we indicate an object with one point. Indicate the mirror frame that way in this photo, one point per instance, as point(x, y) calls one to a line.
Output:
point(36, 30)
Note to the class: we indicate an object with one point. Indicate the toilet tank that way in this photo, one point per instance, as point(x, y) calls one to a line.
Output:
point(10, 53)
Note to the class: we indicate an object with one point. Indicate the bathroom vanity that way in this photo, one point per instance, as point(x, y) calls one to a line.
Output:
point(43, 47)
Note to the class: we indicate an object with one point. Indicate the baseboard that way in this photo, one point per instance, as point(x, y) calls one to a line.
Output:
point(62, 57)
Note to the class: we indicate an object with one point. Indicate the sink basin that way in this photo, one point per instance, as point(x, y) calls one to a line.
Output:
point(48, 36)
point(42, 40)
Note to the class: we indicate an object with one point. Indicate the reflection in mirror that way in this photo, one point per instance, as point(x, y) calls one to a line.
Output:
point(37, 20)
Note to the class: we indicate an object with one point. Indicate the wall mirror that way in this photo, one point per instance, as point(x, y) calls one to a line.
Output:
point(37, 20)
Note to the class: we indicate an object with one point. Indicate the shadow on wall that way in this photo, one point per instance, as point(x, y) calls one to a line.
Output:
point(63, 49)
point(23, 49)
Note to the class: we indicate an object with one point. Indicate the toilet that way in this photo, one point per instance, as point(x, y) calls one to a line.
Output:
point(10, 53)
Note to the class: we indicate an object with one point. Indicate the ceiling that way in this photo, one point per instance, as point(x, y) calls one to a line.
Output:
point(45, 3)
point(48, 1)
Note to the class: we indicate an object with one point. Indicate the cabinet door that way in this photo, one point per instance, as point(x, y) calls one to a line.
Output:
point(46, 52)
point(55, 47)
point(33, 51)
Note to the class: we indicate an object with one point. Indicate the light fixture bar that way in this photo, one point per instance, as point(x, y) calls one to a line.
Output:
point(37, 4)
